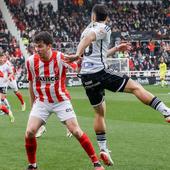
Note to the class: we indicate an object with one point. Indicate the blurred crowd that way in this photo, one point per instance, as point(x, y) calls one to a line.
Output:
point(72, 17)
point(10, 47)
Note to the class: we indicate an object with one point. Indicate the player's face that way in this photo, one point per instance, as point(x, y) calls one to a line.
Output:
point(161, 60)
point(42, 49)
point(2, 60)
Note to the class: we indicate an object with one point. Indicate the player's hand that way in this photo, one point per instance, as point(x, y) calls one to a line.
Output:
point(124, 47)
point(71, 58)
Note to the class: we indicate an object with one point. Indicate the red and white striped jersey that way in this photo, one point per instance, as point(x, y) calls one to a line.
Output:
point(13, 69)
point(49, 77)
point(5, 71)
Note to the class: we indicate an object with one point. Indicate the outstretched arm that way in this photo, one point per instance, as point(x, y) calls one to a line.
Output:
point(121, 47)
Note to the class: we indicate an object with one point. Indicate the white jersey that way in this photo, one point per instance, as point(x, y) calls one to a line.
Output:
point(5, 70)
point(94, 57)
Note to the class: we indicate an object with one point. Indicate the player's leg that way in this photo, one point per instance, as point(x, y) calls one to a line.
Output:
point(95, 93)
point(20, 97)
point(34, 123)
point(13, 85)
point(66, 114)
point(5, 101)
point(162, 80)
point(37, 118)
point(147, 98)
point(3, 107)
point(84, 140)
point(100, 130)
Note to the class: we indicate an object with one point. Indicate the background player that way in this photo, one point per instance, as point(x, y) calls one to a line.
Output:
point(162, 72)
point(13, 85)
point(5, 75)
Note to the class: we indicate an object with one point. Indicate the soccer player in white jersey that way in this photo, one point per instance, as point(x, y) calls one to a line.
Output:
point(13, 85)
point(96, 76)
point(5, 75)
point(47, 74)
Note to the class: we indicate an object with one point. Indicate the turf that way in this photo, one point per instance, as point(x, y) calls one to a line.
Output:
point(137, 135)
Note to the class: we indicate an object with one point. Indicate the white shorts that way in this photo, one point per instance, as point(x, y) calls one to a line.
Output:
point(63, 110)
point(13, 85)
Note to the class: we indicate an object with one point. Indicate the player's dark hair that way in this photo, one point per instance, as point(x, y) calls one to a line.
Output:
point(44, 37)
point(101, 12)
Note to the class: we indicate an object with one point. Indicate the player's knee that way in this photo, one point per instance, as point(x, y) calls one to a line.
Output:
point(30, 133)
point(135, 88)
point(99, 111)
point(77, 132)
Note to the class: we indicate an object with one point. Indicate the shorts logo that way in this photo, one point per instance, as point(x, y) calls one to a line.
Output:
point(88, 82)
point(68, 109)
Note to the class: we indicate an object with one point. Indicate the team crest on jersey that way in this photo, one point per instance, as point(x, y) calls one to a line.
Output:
point(47, 79)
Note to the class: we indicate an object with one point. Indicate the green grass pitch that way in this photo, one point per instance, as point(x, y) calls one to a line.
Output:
point(137, 135)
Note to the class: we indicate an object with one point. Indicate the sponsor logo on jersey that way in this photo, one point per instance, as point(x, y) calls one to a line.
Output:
point(47, 79)
point(88, 65)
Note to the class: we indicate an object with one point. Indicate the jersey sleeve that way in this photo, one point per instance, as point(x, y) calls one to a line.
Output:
point(100, 32)
point(29, 74)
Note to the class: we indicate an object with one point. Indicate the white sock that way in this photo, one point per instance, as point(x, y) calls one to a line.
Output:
point(101, 140)
point(163, 109)
point(158, 105)
point(34, 164)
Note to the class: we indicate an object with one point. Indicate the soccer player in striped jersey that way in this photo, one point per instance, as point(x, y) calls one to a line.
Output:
point(5, 75)
point(13, 85)
point(47, 74)
point(96, 76)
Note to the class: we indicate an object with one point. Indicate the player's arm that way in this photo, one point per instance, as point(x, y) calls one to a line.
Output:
point(75, 65)
point(84, 43)
point(121, 47)
point(32, 97)
point(30, 79)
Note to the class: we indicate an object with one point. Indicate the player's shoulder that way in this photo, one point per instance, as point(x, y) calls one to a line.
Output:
point(103, 26)
point(58, 54)
point(30, 59)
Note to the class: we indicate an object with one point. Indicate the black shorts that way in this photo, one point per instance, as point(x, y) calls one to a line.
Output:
point(3, 90)
point(95, 84)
